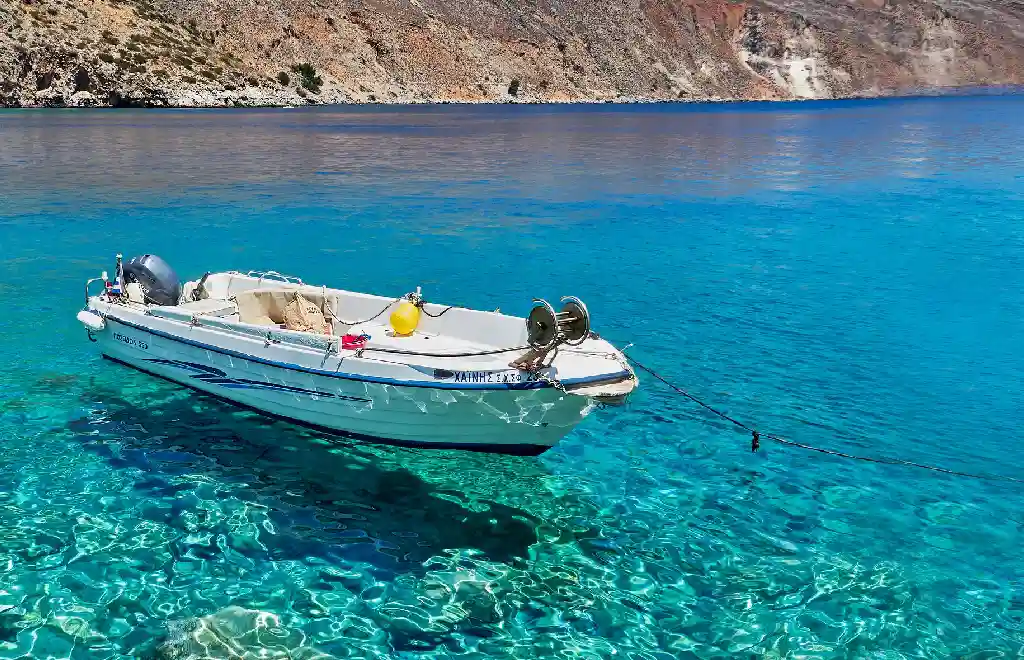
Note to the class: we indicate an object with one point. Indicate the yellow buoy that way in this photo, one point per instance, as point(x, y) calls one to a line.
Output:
point(405, 318)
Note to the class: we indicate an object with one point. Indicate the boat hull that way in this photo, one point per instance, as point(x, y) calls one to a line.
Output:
point(519, 421)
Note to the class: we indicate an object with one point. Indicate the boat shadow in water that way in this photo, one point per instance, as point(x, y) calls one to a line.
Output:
point(330, 499)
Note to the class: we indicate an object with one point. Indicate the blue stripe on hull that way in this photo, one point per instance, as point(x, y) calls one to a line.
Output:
point(214, 376)
point(514, 450)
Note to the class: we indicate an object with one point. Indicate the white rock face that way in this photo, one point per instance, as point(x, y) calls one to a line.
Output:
point(937, 59)
point(82, 99)
point(801, 72)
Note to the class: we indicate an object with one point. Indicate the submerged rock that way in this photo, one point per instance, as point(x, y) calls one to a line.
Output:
point(235, 633)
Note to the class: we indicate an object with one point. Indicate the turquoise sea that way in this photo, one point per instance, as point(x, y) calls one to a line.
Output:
point(849, 275)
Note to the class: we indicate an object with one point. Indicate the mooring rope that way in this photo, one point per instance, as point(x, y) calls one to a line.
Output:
point(421, 305)
point(755, 438)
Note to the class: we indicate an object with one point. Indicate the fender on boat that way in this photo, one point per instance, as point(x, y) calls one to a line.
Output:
point(91, 320)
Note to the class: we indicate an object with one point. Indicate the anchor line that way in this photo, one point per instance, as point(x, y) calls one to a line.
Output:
point(755, 441)
point(441, 313)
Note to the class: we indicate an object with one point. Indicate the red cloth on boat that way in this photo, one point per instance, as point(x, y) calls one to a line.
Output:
point(353, 342)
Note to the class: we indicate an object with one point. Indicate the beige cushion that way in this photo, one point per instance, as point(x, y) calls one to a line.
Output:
point(258, 305)
point(260, 320)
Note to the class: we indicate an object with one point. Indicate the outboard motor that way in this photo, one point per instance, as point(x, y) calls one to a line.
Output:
point(158, 281)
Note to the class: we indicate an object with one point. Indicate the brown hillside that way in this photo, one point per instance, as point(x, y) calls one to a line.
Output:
point(244, 52)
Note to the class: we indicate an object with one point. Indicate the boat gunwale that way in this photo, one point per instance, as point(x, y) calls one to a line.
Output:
point(529, 385)
point(294, 338)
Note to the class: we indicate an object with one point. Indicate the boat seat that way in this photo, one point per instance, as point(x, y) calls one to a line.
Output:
point(209, 307)
point(186, 311)
point(266, 306)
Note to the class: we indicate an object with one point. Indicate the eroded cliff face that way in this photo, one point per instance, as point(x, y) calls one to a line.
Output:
point(244, 52)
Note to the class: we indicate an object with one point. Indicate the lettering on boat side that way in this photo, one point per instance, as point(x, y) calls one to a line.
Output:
point(510, 376)
point(215, 376)
point(130, 341)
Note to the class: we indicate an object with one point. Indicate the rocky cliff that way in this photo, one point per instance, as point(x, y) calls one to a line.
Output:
point(259, 52)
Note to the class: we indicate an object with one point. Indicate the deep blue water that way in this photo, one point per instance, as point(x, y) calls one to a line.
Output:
point(848, 275)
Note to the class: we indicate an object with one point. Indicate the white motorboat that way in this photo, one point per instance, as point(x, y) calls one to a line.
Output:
point(395, 370)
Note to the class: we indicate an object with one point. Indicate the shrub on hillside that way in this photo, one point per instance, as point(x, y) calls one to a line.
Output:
point(308, 77)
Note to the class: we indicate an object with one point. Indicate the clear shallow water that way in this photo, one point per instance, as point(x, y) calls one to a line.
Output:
point(845, 274)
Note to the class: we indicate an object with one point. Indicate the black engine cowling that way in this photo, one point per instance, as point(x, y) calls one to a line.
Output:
point(159, 282)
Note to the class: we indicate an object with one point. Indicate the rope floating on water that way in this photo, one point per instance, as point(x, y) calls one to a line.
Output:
point(755, 442)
